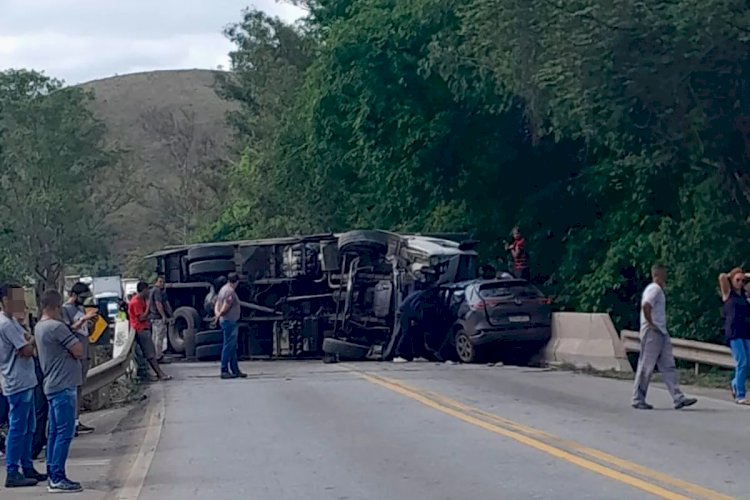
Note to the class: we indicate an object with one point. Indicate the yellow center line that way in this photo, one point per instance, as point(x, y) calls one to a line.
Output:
point(601, 456)
point(532, 438)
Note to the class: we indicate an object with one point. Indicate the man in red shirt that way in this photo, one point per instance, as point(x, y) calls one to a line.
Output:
point(139, 322)
point(520, 256)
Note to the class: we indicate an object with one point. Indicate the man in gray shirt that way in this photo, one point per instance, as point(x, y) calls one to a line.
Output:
point(75, 317)
point(159, 312)
point(60, 352)
point(18, 379)
point(227, 310)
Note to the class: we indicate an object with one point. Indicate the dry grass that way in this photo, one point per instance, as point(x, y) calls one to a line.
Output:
point(122, 392)
point(124, 103)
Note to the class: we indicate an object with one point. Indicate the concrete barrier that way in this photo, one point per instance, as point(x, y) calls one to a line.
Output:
point(586, 340)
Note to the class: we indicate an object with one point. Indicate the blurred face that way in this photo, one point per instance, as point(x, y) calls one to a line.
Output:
point(738, 280)
point(160, 283)
point(516, 234)
point(15, 303)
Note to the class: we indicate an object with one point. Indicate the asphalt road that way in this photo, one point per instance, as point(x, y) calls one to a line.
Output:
point(378, 431)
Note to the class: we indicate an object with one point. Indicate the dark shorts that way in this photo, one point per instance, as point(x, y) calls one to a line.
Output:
point(146, 343)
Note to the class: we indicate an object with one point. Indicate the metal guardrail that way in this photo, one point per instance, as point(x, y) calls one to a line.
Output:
point(700, 353)
point(106, 373)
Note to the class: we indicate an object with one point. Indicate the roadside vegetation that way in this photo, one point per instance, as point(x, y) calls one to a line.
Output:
point(57, 177)
point(614, 134)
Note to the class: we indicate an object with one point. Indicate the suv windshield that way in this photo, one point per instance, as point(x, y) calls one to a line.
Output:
point(509, 291)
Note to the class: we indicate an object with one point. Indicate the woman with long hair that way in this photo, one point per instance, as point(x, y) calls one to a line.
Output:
point(736, 327)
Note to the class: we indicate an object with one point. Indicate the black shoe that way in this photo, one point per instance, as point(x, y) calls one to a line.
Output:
point(227, 375)
point(64, 486)
point(83, 429)
point(17, 480)
point(241, 375)
point(684, 403)
point(34, 474)
point(642, 406)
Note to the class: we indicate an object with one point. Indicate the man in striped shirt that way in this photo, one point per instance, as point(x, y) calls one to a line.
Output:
point(520, 255)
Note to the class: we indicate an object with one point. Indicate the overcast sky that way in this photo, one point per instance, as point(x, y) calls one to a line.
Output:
point(82, 40)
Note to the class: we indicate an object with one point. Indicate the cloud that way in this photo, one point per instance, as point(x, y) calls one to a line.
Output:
point(81, 40)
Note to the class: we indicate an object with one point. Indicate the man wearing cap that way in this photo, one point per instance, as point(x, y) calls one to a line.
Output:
point(77, 319)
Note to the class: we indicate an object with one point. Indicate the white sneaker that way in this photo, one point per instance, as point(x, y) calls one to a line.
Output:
point(399, 359)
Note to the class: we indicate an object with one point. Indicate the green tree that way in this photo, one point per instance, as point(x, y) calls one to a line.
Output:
point(268, 68)
point(616, 134)
point(658, 93)
point(50, 150)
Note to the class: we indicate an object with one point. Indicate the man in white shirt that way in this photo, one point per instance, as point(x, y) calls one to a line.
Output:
point(656, 347)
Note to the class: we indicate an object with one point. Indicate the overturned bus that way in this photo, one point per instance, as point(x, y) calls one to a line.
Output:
point(332, 295)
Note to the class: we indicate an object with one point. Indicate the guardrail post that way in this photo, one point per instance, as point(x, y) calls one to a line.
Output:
point(697, 368)
point(95, 397)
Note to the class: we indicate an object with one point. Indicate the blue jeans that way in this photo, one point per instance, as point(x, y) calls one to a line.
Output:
point(740, 353)
point(62, 427)
point(229, 349)
point(22, 425)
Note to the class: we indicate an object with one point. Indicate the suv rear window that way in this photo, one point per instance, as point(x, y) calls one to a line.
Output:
point(509, 290)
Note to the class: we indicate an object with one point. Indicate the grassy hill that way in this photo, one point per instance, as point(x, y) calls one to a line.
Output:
point(171, 127)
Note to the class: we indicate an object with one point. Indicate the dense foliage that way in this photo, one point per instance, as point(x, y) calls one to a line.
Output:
point(616, 133)
point(51, 150)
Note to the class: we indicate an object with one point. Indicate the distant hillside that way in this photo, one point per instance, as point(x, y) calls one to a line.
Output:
point(172, 127)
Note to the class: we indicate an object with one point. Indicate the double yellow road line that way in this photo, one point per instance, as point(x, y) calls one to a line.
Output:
point(612, 467)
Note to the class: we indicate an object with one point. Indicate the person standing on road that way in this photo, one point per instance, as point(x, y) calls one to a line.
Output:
point(736, 328)
point(76, 318)
point(159, 312)
point(19, 381)
point(517, 249)
point(60, 353)
point(656, 347)
point(227, 311)
point(409, 320)
point(138, 316)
